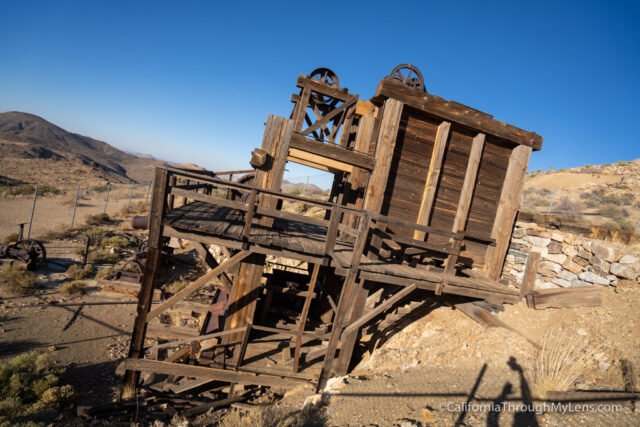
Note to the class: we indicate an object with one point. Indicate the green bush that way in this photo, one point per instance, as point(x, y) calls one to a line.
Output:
point(17, 280)
point(30, 383)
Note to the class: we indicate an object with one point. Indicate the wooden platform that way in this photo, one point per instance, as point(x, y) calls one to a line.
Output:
point(304, 240)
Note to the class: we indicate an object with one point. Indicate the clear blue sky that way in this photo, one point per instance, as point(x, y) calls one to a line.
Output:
point(194, 81)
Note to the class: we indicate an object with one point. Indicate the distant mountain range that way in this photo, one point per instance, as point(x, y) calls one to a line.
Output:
point(25, 136)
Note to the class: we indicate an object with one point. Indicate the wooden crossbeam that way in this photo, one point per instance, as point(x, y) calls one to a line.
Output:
point(330, 151)
point(354, 326)
point(303, 316)
point(433, 175)
point(178, 369)
point(324, 120)
point(197, 284)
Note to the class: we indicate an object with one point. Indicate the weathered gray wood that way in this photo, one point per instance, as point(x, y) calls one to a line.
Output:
point(530, 271)
point(565, 298)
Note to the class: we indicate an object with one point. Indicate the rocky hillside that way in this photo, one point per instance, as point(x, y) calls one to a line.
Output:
point(35, 151)
point(604, 195)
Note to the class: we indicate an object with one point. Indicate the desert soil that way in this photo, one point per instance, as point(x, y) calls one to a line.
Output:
point(55, 212)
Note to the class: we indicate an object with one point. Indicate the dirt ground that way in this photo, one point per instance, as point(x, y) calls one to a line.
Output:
point(90, 346)
point(55, 212)
point(424, 374)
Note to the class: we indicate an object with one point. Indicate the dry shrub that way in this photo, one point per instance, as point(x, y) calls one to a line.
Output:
point(11, 237)
point(97, 219)
point(18, 280)
point(103, 257)
point(30, 383)
point(75, 288)
point(78, 272)
point(115, 242)
point(175, 286)
point(106, 273)
point(95, 232)
point(561, 359)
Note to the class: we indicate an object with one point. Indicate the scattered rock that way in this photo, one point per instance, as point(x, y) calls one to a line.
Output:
point(581, 332)
point(608, 253)
point(539, 242)
point(591, 277)
point(629, 259)
point(626, 271)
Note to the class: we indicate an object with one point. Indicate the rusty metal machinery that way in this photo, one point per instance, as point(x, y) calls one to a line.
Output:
point(408, 75)
point(32, 252)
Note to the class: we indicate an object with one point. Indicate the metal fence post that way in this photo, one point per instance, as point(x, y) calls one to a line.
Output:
point(75, 205)
point(130, 194)
point(33, 211)
point(106, 199)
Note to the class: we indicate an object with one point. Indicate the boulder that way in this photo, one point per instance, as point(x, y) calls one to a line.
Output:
point(591, 277)
point(555, 247)
point(567, 275)
point(572, 266)
point(629, 259)
point(561, 282)
point(626, 271)
point(539, 242)
point(557, 258)
point(551, 266)
point(577, 283)
point(600, 266)
point(606, 252)
point(519, 233)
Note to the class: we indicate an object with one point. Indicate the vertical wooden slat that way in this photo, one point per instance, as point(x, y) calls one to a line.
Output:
point(433, 175)
point(507, 209)
point(358, 179)
point(466, 195)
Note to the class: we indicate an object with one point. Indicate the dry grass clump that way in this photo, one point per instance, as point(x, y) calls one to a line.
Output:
point(106, 273)
point(175, 286)
point(74, 288)
point(79, 272)
point(559, 362)
point(95, 232)
point(103, 257)
point(30, 383)
point(97, 219)
point(11, 237)
point(19, 281)
point(115, 242)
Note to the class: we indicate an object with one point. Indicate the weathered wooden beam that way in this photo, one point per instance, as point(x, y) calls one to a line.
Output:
point(530, 271)
point(302, 321)
point(507, 210)
point(565, 298)
point(456, 113)
point(178, 369)
point(469, 184)
point(318, 161)
point(385, 147)
point(145, 298)
point(433, 175)
point(363, 320)
point(331, 151)
point(198, 283)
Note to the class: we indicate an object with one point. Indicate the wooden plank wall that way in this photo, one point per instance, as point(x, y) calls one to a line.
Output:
point(410, 165)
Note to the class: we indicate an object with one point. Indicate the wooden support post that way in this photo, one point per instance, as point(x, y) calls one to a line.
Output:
point(243, 297)
point(332, 230)
point(303, 316)
point(358, 179)
point(145, 297)
point(385, 147)
point(507, 210)
point(433, 175)
point(347, 296)
point(349, 338)
point(172, 198)
point(529, 277)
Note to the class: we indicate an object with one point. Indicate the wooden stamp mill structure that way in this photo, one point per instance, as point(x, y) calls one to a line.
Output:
point(423, 202)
